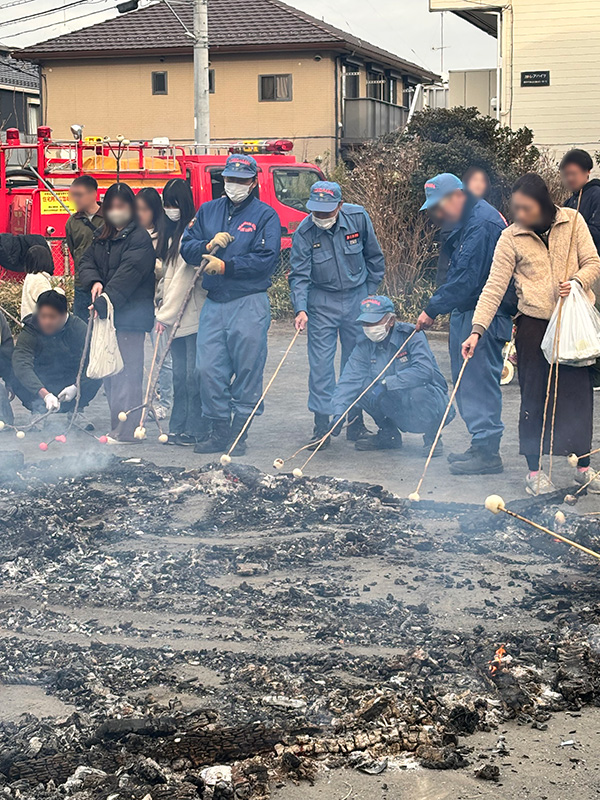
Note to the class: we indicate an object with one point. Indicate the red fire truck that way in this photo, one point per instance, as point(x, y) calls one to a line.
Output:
point(34, 178)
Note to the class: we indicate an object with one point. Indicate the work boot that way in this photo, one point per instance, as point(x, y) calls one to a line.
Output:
point(388, 437)
point(428, 441)
point(218, 441)
point(322, 426)
point(356, 428)
point(238, 423)
point(482, 461)
point(466, 456)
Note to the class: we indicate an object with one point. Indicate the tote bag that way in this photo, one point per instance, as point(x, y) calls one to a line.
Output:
point(105, 357)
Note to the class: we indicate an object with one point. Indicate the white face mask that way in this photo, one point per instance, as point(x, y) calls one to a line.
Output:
point(376, 333)
point(118, 217)
point(325, 224)
point(174, 214)
point(237, 192)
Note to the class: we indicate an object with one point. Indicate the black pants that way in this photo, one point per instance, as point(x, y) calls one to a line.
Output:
point(575, 399)
point(124, 390)
point(187, 407)
point(33, 402)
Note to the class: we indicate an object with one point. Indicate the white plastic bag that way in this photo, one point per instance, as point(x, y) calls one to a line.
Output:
point(578, 342)
point(105, 357)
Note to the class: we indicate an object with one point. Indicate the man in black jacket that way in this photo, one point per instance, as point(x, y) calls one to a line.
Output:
point(47, 355)
point(575, 169)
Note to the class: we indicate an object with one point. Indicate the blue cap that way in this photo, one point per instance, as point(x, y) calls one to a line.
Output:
point(375, 307)
point(324, 196)
point(240, 166)
point(437, 188)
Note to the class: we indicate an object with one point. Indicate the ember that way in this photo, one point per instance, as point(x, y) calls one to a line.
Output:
point(268, 627)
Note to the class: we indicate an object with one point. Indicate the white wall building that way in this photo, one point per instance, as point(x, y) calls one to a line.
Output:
point(548, 74)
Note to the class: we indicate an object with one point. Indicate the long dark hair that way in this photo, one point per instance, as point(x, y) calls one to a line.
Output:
point(532, 185)
point(124, 193)
point(159, 221)
point(177, 194)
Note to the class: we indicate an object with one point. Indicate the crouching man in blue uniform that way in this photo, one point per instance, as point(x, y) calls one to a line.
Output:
point(411, 395)
point(469, 249)
point(235, 318)
point(336, 261)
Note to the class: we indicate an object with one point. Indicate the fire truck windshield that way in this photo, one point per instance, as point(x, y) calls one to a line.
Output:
point(292, 186)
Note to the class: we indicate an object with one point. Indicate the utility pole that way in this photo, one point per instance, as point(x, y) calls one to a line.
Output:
point(201, 94)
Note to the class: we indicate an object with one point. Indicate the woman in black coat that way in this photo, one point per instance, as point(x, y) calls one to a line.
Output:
point(120, 264)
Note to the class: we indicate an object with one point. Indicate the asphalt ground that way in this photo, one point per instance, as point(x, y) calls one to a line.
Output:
point(286, 425)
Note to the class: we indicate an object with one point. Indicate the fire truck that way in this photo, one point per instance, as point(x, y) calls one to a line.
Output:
point(35, 177)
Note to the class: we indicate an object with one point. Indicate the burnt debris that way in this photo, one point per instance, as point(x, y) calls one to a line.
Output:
point(204, 632)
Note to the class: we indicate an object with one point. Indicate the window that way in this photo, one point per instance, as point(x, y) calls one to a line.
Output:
point(292, 186)
point(33, 115)
point(352, 84)
point(211, 81)
point(375, 85)
point(274, 88)
point(159, 83)
point(392, 94)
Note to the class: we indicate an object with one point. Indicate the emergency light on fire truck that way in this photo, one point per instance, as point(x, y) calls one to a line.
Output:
point(260, 146)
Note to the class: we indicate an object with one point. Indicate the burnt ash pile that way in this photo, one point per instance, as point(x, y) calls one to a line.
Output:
point(187, 619)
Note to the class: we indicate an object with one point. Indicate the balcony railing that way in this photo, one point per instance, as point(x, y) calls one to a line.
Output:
point(366, 118)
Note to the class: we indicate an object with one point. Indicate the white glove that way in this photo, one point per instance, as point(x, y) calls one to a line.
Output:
point(67, 394)
point(52, 402)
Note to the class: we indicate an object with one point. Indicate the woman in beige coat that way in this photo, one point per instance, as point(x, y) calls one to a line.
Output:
point(186, 426)
point(534, 251)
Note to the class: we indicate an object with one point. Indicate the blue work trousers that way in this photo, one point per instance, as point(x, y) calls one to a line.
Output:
point(330, 315)
point(479, 396)
point(416, 410)
point(231, 354)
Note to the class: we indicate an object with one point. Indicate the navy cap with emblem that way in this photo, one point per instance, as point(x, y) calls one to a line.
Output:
point(439, 187)
point(324, 196)
point(374, 308)
point(240, 166)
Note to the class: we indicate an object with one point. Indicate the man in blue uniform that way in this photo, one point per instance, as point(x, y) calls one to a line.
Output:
point(235, 318)
point(470, 249)
point(411, 395)
point(336, 261)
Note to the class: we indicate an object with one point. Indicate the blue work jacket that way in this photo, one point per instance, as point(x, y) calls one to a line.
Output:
point(414, 366)
point(252, 257)
point(342, 258)
point(470, 250)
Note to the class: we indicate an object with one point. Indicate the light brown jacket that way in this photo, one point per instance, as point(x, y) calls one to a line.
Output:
point(537, 269)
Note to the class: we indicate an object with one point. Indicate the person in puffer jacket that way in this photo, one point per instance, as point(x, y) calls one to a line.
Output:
point(119, 264)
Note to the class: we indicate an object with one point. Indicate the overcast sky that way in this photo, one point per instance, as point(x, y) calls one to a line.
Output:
point(407, 28)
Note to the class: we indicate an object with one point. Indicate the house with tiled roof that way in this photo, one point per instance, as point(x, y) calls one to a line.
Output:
point(19, 94)
point(275, 72)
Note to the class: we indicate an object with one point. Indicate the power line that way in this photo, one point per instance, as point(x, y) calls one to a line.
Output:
point(43, 13)
point(54, 24)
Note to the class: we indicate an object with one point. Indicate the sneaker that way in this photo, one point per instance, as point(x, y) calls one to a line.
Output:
point(466, 456)
point(439, 448)
point(582, 478)
point(112, 440)
point(386, 438)
point(184, 440)
point(537, 483)
point(481, 462)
